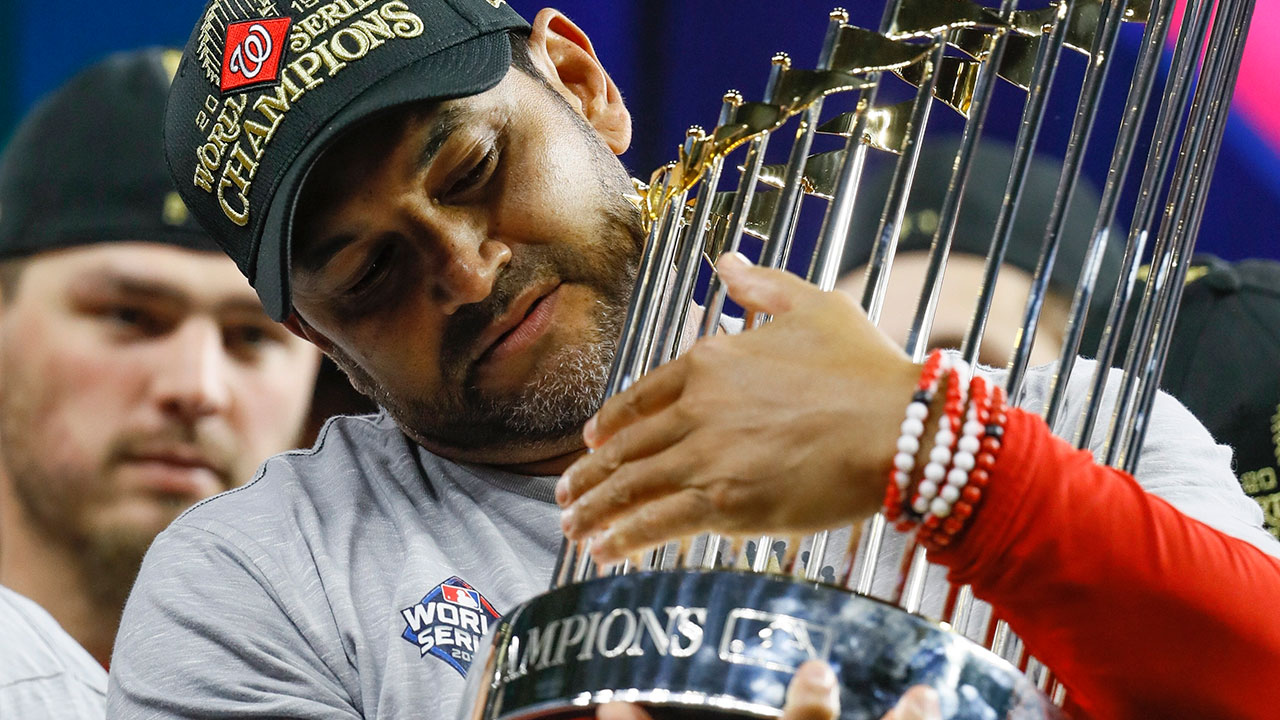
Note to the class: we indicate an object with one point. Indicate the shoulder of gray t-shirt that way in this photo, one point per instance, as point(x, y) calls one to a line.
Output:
point(353, 455)
point(44, 672)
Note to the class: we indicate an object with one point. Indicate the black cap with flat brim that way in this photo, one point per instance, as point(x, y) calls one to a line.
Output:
point(259, 96)
point(86, 165)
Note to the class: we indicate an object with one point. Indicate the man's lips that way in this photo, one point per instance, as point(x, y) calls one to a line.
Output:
point(178, 472)
point(525, 319)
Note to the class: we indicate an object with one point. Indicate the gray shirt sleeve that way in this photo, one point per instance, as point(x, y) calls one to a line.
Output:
point(58, 697)
point(44, 673)
point(213, 630)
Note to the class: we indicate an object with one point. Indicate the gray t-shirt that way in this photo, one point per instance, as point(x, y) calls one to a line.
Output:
point(44, 673)
point(355, 579)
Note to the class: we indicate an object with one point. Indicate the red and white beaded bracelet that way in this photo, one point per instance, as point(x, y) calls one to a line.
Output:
point(904, 461)
point(971, 466)
point(944, 442)
point(964, 452)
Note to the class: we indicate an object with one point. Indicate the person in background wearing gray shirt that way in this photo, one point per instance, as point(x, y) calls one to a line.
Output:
point(428, 190)
point(139, 376)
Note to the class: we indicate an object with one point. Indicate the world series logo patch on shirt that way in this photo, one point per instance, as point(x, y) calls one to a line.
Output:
point(449, 623)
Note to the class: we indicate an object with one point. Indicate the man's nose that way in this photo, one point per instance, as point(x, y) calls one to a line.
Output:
point(192, 378)
point(467, 269)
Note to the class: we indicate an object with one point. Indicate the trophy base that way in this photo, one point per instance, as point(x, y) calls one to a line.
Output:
point(689, 643)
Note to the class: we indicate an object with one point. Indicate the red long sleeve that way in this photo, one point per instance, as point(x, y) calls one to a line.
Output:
point(1141, 611)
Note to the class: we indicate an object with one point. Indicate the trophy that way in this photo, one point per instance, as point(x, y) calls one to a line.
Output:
point(714, 628)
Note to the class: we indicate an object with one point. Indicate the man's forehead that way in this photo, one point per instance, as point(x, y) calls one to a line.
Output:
point(421, 128)
point(365, 145)
point(145, 268)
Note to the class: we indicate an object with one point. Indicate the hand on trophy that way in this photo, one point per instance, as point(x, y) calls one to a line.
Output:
point(812, 695)
point(701, 443)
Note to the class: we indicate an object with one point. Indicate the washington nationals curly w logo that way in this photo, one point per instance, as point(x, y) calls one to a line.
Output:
point(252, 52)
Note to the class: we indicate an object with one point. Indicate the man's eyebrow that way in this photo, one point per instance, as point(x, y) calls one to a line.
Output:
point(172, 295)
point(314, 255)
point(140, 287)
point(447, 121)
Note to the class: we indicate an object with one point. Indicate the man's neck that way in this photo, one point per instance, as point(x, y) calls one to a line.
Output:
point(46, 572)
point(547, 466)
point(551, 458)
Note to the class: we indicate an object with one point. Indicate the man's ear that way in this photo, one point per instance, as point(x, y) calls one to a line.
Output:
point(563, 52)
point(296, 325)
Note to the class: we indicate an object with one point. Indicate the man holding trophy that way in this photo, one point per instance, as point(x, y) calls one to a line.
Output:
point(428, 191)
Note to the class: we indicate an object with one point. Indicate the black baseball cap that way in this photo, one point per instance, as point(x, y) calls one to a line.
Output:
point(983, 199)
point(265, 87)
point(87, 164)
point(1224, 365)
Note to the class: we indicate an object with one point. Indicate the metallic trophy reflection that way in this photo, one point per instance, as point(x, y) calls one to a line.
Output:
point(718, 626)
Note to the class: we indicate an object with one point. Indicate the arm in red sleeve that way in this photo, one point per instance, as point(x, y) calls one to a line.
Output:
point(1140, 610)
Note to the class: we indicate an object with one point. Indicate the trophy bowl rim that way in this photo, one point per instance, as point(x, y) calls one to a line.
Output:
point(580, 594)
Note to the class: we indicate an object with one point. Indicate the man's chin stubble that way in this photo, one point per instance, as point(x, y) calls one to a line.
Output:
point(546, 415)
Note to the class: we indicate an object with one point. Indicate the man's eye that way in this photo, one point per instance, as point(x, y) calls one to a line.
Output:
point(246, 335)
point(374, 274)
point(248, 339)
point(131, 318)
point(475, 177)
point(125, 315)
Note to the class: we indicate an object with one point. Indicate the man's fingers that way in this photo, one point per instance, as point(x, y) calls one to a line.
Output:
point(648, 436)
point(813, 693)
point(669, 518)
point(762, 290)
point(637, 481)
point(656, 390)
point(920, 703)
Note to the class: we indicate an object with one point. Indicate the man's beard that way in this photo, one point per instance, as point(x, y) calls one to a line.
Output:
point(57, 501)
point(106, 558)
point(570, 383)
point(66, 497)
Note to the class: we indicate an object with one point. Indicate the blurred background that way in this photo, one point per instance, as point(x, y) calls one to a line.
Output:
point(673, 60)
